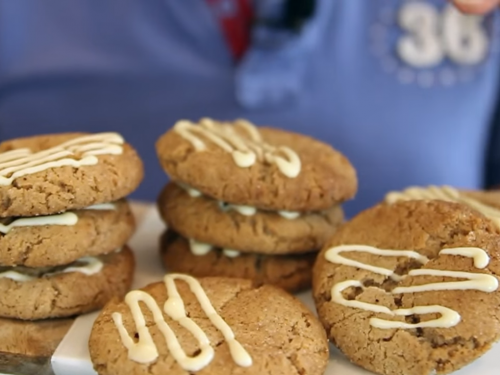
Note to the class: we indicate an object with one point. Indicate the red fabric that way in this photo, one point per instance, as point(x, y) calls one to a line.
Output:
point(235, 23)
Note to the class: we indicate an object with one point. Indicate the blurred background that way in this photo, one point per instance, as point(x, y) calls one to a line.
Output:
point(406, 89)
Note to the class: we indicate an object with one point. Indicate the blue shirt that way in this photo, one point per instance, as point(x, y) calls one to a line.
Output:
point(418, 116)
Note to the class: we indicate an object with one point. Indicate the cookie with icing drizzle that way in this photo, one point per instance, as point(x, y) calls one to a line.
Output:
point(245, 228)
point(263, 167)
point(486, 202)
point(411, 287)
point(290, 272)
point(62, 291)
point(209, 326)
point(44, 175)
point(53, 240)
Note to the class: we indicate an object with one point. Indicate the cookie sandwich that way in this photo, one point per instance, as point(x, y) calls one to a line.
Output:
point(249, 202)
point(64, 223)
point(411, 288)
point(209, 326)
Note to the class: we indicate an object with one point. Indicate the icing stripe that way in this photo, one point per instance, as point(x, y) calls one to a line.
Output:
point(77, 152)
point(145, 350)
point(245, 151)
point(333, 256)
point(445, 193)
point(448, 317)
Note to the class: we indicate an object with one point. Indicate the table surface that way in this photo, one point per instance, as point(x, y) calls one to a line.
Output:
point(71, 355)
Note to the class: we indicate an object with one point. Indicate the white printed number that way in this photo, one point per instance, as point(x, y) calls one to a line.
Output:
point(433, 36)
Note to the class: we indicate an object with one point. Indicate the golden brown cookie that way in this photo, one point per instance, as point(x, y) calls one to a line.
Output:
point(290, 272)
point(53, 292)
point(263, 232)
point(271, 332)
point(47, 174)
point(66, 236)
point(278, 171)
point(388, 293)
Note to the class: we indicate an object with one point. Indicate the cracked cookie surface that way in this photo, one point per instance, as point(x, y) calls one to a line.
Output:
point(64, 188)
point(202, 219)
point(326, 177)
point(290, 272)
point(425, 227)
point(279, 333)
point(96, 232)
point(67, 294)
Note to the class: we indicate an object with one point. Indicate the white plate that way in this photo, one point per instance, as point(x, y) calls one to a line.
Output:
point(72, 357)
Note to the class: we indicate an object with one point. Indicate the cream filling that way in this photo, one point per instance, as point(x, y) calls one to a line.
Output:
point(448, 318)
point(65, 219)
point(102, 207)
point(86, 265)
point(241, 209)
point(201, 248)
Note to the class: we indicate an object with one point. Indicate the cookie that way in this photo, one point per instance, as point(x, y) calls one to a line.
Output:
point(245, 228)
point(486, 202)
point(290, 272)
point(262, 167)
point(54, 292)
point(411, 288)
point(48, 174)
point(60, 239)
point(197, 322)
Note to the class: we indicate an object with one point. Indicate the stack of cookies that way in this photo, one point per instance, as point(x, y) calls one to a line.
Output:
point(249, 202)
point(64, 223)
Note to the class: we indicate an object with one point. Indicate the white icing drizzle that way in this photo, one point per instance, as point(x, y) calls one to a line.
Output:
point(145, 350)
point(245, 150)
point(333, 256)
point(67, 218)
point(476, 281)
point(448, 317)
point(444, 193)
point(92, 266)
point(201, 248)
point(481, 259)
point(76, 153)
